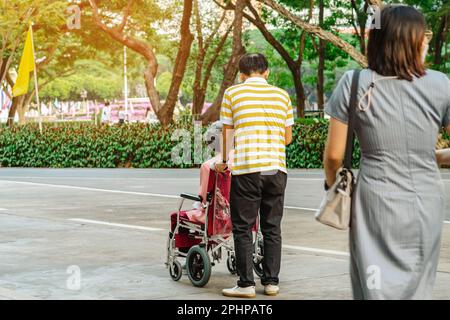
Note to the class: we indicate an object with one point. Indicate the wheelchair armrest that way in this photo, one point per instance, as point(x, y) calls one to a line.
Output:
point(191, 197)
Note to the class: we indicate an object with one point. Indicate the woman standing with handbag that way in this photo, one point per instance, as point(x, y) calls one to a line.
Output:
point(398, 201)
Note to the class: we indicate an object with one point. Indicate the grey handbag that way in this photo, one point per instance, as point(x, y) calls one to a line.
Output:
point(336, 207)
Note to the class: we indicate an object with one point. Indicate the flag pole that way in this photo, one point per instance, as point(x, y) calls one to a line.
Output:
point(36, 80)
point(125, 80)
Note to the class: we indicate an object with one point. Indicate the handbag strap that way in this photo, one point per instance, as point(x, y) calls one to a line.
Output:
point(351, 120)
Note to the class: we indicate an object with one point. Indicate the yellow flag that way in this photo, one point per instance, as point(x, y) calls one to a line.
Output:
point(26, 66)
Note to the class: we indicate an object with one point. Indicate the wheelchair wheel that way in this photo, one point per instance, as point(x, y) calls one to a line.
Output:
point(231, 264)
point(198, 266)
point(258, 258)
point(175, 271)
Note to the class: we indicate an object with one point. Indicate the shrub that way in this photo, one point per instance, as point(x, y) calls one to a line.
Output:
point(306, 150)
point(84, 145)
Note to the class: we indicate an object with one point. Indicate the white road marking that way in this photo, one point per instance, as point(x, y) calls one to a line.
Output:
point(130, 192)
point(315, 250)
point(124, 192)
point(119, 225)
point(3, 209)
point(300, 208)
point(129, 226)
point(305, 179)
point(92, 189)
point(13, 295)
point(321, 179)
point(286, 246)
point(99, 178)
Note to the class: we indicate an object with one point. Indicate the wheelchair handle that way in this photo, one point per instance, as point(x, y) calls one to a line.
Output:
point(192, 197)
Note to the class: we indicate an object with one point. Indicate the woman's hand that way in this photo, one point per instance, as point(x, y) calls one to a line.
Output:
point(443, 157)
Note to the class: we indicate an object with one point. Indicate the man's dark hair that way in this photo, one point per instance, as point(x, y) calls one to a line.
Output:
point(253, 63)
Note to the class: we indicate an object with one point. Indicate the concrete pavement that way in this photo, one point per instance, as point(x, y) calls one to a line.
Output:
point(110, 228)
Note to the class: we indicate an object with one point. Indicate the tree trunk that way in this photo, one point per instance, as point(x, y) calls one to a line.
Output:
point(200, 94)
point(163, 112)
point(21, 110)
point(4, 68)
point(360, 27)
point(198, 100)
point(232, 67)
point(299, 91)
point(20, 105)
point(150, 84)
point(321, 76)
point(23, 107)
point(184, 50)
point(321, 66)
point(16, 102)
point(202, 72)
point(197, 105)
point(362, 30)
point(440, 39)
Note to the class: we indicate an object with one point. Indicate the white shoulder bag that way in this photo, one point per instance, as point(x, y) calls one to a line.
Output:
point(336, 207)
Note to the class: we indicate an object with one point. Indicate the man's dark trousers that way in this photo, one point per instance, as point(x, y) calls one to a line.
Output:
point(250, 193)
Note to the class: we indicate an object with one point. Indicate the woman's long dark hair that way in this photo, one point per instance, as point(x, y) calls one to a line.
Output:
point(396, 49)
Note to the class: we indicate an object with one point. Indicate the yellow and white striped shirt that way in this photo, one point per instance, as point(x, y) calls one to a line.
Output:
point(260, 114)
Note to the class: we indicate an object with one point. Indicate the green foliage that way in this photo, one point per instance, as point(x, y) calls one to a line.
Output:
point(215, 80)
point(446, 136)
point(83, 145)
point(289, 35)
point(163, 84)
point(89, 75)
point(338, 13)
point(306, 150)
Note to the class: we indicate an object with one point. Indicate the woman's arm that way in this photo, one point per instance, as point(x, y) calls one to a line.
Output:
point(335, 149)
point(443, 156)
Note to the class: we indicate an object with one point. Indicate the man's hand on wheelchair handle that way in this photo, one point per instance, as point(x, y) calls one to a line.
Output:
point(221, 167)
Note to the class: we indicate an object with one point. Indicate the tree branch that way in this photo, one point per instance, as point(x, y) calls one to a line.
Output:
point(231, 68)
point(319, 32)
point(215, 31)
point(299, 61)
point(199, 26)
point(140, 47)
point(257, 21)
point(126, 14)
point(355, 9)
point(213, 60)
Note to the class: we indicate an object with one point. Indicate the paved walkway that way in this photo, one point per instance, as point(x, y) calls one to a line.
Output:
point(110, 227)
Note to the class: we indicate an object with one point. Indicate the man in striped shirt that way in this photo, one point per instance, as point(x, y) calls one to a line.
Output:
point(259, 117)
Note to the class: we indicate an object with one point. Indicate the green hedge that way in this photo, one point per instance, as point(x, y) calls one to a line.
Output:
point(83, 145)
point(306, 151)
